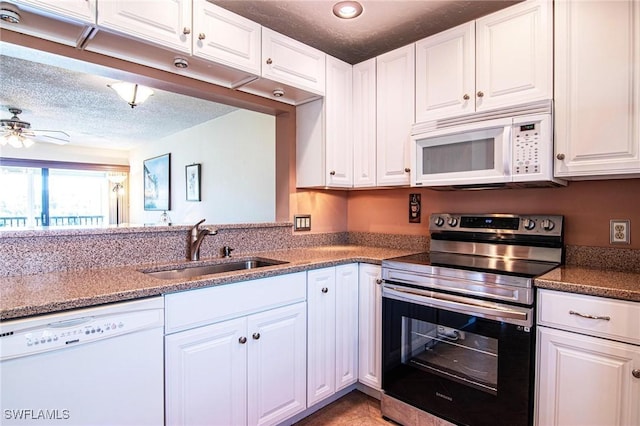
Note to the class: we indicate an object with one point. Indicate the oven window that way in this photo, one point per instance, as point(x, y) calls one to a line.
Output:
point(457, 354)
point(458, 157)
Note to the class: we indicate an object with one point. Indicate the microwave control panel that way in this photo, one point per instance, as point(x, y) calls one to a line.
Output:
point(526, 148)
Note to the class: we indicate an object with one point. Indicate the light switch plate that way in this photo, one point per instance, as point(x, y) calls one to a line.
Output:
point(619, 231)
point(302, 222)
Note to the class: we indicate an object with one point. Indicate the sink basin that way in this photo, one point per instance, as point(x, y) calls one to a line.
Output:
point(198, 271)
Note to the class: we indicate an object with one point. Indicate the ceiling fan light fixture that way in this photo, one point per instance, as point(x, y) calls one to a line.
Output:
point(133, 94)
point(16, 140)
point(347, 9)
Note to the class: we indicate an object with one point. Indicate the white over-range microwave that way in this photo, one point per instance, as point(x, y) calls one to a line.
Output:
point(502, 148)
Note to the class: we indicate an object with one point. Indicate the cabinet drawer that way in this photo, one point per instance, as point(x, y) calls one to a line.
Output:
point(564, 310)
point(195, 308)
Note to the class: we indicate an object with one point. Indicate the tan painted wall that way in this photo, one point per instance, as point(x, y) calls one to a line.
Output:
point(587, 206)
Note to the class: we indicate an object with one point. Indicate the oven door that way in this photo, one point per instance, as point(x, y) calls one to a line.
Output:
point(471, 154)
point(461, 359)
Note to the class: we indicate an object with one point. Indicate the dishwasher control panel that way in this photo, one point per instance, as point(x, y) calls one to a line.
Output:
point(23, 339)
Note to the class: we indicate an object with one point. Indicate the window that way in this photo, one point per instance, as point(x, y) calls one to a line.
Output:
point(60, 196)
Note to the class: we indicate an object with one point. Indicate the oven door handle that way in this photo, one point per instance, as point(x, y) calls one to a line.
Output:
point(493, 311)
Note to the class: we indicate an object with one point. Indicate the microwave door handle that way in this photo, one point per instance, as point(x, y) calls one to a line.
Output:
point(507, 151)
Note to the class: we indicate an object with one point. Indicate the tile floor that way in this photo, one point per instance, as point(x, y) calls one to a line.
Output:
point(353, 409)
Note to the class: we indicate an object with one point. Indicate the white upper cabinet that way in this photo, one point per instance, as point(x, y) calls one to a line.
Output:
point(500, 60)
point(292, 72)
point(514, 55)
point(445, 73)
point(597, 89)
point(164, 22)
point(65, 22)
point(395, 114)
point(78, 10)
point(324, 149)
point(288, 61)
point(364, 124)
point(226, 38)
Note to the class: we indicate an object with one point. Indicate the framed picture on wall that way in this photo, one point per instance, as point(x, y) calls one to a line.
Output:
point(192, 172)
point(157, 183)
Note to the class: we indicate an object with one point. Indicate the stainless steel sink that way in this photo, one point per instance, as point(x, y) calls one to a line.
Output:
point(198, 271)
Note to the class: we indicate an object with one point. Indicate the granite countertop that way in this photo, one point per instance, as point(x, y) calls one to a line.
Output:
point(591, 281)
point(28, 295)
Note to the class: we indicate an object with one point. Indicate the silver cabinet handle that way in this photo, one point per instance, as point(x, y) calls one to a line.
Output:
point(242, 340)
point(560, 156)
point(595, 317)
point(256, 336)
point(325, 290)
point(186, 31)
point(636, 373)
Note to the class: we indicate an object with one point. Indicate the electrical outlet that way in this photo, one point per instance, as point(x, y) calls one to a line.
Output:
point(620, 233)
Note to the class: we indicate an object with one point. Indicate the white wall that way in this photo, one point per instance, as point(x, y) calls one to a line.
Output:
point(237, 154)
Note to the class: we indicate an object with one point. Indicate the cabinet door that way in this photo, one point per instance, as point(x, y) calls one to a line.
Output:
point(321, 329)
point(165, 22)
point(445, 74)
point(291, 62)
point(276, 364)
point(346, 321)
point(205, 375)
point(339, 141)
point(583, 380)
point(224, 37)
point(514, 54)
point(79, 10)
point(597, 88)
point(364, 124)
point(395, 114)
point(370, 325)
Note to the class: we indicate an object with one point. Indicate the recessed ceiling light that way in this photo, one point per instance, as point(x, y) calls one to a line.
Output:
point(347, 9)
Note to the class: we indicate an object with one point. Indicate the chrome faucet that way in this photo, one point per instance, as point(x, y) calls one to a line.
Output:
point(197, 236)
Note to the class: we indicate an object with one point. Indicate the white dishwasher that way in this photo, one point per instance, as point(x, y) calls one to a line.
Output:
point(96, 366)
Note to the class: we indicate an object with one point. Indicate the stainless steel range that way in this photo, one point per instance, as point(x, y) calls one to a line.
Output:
point(458, 322)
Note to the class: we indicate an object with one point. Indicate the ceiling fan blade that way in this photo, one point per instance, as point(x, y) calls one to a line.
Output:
point(40, 132)
point(51, 139)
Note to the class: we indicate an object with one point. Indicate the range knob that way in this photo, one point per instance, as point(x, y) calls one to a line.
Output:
point(438, 221)
point(548, 225)
point(528, 224)
point(452, 221)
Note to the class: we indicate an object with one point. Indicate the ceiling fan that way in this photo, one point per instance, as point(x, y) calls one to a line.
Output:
point(18, 133)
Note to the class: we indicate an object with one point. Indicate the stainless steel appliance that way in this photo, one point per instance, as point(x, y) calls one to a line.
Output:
point(511, 147)
point(458, 322)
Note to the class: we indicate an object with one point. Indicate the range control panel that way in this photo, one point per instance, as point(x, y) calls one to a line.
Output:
point(526, 148)
point(551, 225)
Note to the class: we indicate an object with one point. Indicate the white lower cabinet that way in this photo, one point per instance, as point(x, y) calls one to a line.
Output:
point(247, 370)
point(370, 326)
point(582, 379)
point(332, 330)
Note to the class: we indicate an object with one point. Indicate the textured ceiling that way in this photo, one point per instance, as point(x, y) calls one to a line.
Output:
point(81, 104)
point(382, 27)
